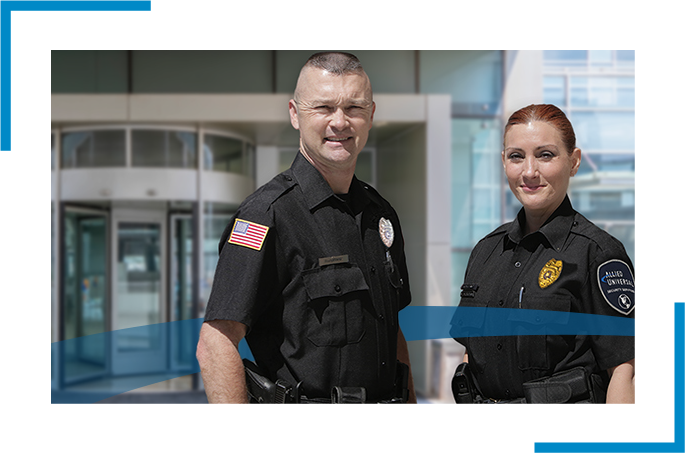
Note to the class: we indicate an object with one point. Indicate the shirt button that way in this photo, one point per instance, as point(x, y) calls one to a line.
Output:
point(382, 363)
point(288, 178)
point(501, 302)
point(373, 270)
point(337, 288)
point(380, 317)
point(517, 264)
point(499, 346)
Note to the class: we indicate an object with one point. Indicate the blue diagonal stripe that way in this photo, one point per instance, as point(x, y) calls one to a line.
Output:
point(418, 323)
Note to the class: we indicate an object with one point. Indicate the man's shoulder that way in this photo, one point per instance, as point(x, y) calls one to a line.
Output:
point(374, 194)
point(257, 207)
point(261, 200)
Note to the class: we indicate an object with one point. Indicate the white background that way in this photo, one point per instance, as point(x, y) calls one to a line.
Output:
point(31, 422)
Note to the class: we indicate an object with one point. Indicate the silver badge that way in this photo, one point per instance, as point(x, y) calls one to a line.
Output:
point(386, 231)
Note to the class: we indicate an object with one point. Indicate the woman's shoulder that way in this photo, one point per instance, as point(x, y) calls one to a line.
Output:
point(488, 242)
point(603, 240)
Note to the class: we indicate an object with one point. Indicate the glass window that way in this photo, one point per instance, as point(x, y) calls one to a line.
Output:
point(565, 57)
point(597, 130)
point(224, 154)
point(159, 148)
point(602, 91)
point(472, 77)
point(103, 148)
point(476, 180)
point(603, 200)
point(601, 57)
point(625, 59)
point(554, 90)
point(593, 162)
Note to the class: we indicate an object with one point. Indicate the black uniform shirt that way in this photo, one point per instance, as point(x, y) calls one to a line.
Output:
point(566, 265)
point(320, 292)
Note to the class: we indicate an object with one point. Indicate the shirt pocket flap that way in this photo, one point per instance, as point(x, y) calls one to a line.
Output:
point(334, 282)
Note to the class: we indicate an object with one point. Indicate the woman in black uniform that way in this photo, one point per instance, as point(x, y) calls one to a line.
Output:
point(549, 258)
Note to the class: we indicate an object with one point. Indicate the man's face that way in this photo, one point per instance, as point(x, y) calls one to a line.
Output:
point(333, 114)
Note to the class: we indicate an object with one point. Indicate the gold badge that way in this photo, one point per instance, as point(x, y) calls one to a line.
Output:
point(550, 272)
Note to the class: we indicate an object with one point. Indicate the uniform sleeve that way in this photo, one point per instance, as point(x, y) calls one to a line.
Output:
point(465, 299)
point(244, 281)
point(612, 287)
point(405, 292)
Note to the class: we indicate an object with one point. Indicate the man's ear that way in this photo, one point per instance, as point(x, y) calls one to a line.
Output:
point(292, 109)
point(373, 110)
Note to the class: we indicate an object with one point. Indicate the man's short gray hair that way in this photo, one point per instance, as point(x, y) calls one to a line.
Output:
point(338, 63)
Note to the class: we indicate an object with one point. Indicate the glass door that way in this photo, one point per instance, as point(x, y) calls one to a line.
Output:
point(139, 275)
point(181, 287)
point(85, 293)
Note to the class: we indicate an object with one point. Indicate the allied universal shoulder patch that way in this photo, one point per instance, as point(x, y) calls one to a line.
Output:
point(617, 285)
point(550, 273)
point(248, 234)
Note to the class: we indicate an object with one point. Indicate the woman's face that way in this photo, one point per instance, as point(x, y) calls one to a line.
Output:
point(538, 166)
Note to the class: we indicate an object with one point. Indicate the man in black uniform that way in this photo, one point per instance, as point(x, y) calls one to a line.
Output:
point(312, 268)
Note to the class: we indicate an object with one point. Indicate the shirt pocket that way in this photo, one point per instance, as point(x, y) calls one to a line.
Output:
point(334, 312)
point(537, 345)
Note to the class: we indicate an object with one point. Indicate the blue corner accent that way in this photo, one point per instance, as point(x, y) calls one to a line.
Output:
point(6, 8)
point(678, 445)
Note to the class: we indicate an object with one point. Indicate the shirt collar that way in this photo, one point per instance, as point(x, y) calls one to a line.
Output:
point(555, 229)
point(316, 189)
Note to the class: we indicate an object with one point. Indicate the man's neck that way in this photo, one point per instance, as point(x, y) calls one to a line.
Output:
point(338, 178)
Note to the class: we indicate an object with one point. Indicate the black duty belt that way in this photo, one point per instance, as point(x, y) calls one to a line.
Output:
point(573, 386)
point(262, 390)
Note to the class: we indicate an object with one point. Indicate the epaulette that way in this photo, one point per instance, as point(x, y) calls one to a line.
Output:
point(266, 195)
point(594, 233)
point(373, 193)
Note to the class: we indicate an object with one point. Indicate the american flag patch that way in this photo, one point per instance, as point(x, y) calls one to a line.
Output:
point(248, 234)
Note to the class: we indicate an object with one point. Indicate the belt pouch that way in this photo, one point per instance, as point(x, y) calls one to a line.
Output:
point(570, 386)
point(348, 395)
